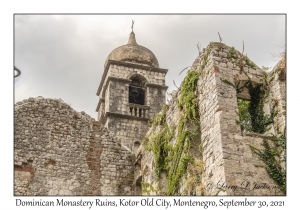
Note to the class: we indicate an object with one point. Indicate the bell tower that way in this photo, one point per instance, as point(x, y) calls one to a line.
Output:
point(131, 92)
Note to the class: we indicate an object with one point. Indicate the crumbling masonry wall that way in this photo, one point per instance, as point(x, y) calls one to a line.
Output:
point(58, 151)
point(146, 181)
point(277, 95)
point(228, 162)
point(227, 147)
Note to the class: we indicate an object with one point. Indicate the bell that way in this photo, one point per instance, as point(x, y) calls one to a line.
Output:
point(134, 92)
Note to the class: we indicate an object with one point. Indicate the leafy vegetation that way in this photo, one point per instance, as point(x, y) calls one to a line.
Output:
point(232, 53)
point(252, 118)
point(244, 115)
point(147, 188)
point(274, 155)
point(171, 145)
point(175, 160)
point(259, 120)
point(159, 142)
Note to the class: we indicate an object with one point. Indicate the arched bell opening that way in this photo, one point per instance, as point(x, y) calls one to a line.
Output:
point(137, 90)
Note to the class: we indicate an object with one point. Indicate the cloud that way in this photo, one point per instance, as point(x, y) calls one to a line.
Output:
point(63, 56)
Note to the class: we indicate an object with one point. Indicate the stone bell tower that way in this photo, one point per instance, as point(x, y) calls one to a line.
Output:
point(131, 92)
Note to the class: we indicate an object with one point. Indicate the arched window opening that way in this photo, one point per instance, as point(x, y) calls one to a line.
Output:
point(137, 90)
point(136, 146)
point(243, 102)
point(138, 186)
point(255, 115)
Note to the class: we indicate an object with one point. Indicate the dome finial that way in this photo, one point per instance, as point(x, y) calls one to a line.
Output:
point(131, 39)
point(132, 25)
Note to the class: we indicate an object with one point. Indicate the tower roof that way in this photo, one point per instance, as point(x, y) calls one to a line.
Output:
point(132, 52)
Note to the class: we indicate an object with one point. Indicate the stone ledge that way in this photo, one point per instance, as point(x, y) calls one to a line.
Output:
point(121, 63)
point(118, 79)
point(258, 135)
point(138, 106)
point(127, 116)
point(156, 85)
point(101, 100)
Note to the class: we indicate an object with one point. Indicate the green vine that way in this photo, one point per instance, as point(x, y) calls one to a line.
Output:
point(249, 62)
point(189, 117)
point(232, 53)
point(159, 142)
point(188, 101)
point(242, 60)
point(188, 104)
point(175, 160)
point(147, 188)
point(259, 120)
point(180, 155)
point(235, 86)
point(258, 92)
point(253, 111)
point(273, 157)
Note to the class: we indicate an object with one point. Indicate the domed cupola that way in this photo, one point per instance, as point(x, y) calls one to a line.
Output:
point(133, 53)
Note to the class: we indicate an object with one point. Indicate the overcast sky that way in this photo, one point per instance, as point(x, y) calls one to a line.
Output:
point(62, 56)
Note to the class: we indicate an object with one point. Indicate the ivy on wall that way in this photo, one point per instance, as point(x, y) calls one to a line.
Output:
point(274, 157)
point(176, 160)
point(259, 120)
point(147, 188)
point(187, 131)
point(180, 155)
point(159, 142)
point(252, 118)
point(253, 109)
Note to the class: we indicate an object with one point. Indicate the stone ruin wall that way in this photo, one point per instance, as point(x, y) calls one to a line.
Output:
point(58, 151)
point(227, 157)
point(236, 157)
point(278, 95)
point(145, 164)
